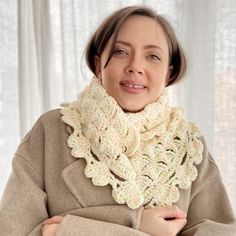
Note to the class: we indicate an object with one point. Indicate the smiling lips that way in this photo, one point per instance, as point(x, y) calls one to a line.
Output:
point(132, 86)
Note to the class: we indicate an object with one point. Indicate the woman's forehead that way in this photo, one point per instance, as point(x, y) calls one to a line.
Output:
point(141, 29)
point(137, 26)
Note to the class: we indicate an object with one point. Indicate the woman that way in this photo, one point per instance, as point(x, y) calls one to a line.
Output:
point(119, 160)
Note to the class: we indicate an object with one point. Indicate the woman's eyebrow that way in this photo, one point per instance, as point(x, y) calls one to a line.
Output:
point(153, 46)
point(149, 46)
point(123, 42)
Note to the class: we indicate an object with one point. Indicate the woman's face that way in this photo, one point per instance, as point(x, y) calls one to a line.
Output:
point(139, 68)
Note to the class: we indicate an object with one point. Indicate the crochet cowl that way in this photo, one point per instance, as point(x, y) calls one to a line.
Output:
point(145, 156)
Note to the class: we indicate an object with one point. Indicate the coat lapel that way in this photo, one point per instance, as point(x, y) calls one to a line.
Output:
point(82, 187)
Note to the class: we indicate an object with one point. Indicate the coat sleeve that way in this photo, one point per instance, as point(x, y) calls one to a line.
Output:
point(210, 211)
point(24, 208)
point(24, 205)
point(76, 225)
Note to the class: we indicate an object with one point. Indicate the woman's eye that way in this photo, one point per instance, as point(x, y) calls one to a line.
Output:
point(120, 52)
point(154, 57)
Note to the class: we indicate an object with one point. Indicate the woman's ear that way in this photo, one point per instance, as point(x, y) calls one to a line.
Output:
point(168, 76)
point(97, 63)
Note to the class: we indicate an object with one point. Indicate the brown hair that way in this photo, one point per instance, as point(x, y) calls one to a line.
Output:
point(111, 26)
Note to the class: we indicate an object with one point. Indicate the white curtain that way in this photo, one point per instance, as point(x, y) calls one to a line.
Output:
point(34, 60)
point(53, 34)
point(9, 96)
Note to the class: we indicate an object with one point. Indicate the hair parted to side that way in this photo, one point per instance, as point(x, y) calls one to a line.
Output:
point(110, 28)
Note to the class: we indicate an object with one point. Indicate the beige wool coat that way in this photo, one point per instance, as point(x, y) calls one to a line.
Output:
point(47, 181)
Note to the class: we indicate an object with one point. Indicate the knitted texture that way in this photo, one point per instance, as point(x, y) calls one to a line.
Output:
point(145, 156)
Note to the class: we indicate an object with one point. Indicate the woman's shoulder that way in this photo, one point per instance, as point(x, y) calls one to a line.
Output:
point(48, 124)
point(208, 169)
point(49, 128)
point(51, 115)
point(50, 119)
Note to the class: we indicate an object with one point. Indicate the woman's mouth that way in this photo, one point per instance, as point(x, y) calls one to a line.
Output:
point(132, 87)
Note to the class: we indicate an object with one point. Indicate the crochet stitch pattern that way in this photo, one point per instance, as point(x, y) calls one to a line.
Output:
point(145, 156)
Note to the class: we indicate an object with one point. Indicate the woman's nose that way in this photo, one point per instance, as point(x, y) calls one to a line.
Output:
point(135, 65)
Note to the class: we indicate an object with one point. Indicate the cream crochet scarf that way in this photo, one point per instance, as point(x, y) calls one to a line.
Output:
point(145, 156)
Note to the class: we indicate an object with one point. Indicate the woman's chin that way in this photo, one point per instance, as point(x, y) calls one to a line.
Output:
point(132, 109)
